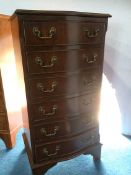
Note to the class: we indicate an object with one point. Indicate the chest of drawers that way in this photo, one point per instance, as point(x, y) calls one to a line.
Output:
point(10, 113)
point(59, 57)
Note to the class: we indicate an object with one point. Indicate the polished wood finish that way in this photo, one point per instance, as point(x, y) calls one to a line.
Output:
point(10, 113)
point(57, 130)
point(60, 13)
point(63, 148)
point(62, 108)
point(51, 86)
point(59, 58)
point(61, 37)
point(40, 62)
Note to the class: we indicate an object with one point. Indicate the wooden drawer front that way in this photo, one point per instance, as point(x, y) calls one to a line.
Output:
point(63, 108)
point(58, 130)
point(3, 122)
point(63, 61)
point(59, 33)
point(63, 86)
point(93, 32)
point(67, 147)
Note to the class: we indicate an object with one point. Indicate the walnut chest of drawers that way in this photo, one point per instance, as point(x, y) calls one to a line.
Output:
point(59, 57)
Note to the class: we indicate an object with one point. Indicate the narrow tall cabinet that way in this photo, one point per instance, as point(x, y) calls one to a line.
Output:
point(59, 56)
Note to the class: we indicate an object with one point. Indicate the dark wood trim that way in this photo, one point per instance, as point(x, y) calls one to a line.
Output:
point(38, 169)
point(57, 13)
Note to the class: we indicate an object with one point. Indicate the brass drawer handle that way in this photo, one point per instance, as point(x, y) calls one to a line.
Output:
point(43, 131)
point(88, 83)
point(91, 34)
point(39, 61)
point(42, 110)
point(90, 60)
point(41, 87)
point(89, 140)
point(38, 34)
point(87, 123)
point(45, 151)
point(88, 101)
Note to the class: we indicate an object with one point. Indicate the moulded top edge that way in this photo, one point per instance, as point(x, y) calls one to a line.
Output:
point(58, 13)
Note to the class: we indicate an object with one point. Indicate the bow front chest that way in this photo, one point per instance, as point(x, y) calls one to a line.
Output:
point(59, 56)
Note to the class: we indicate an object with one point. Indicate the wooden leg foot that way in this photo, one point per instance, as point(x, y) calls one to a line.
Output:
point(41, 169)
point(95, 158)
point(9, 138)
point(95, 152)
point(37, 169)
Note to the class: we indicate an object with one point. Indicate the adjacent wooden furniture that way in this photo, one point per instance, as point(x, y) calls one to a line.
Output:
point(59, 57)
point(10, 113)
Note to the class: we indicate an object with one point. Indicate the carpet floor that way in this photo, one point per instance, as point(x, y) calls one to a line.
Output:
point(115, 160)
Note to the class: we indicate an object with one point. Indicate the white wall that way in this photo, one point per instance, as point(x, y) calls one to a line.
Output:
point(8, 6)
point(118, 40)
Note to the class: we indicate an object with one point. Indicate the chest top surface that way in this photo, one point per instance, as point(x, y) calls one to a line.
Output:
point(60, 13)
